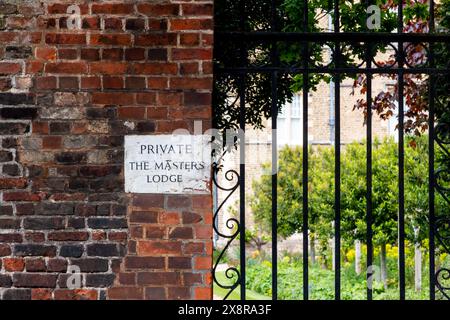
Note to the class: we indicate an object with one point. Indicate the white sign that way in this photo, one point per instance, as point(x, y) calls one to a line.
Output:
point(168, 164)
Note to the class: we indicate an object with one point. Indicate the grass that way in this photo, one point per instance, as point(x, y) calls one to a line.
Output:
point(235, 295)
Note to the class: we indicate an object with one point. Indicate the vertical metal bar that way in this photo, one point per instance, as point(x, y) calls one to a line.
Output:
point(431, 184)
point(243, 57)
point(369, 199)
point(401, 190)
point(369, 203)
point(242, 182)
point(305, 158)
point(431, 178)
point(401, 161)
point(274, 187)
point(337, 168)
point(274, 115)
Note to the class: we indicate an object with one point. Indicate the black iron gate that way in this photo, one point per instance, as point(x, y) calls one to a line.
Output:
point(243, 39)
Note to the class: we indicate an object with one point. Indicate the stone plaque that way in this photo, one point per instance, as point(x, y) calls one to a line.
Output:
point(168, 164)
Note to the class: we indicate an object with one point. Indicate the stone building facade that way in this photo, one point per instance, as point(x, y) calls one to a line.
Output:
point(75, 78)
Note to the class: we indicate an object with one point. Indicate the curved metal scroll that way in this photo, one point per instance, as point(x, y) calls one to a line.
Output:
point(231, 224)
point(441, 184)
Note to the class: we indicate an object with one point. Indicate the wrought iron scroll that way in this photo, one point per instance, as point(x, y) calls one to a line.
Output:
point(232, 224)
point(442, 186)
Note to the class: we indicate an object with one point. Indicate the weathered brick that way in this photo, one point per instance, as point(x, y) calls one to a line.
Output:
point(198, 9)
point(102, 250)
point(180, 263)
point(203, 263)
point(8, 68)
point(9, 223)
point(90, 54)
point(65, 38)
point(45, 53)
point(112, 8)
point(91, 264)
point(203, 293)
point(148, 200)
point(191, 217)
point(149, 248)
point(144, 262)
point(125, 293)
point(67, 53)
point(66, 67)
point(17, 294)
point(34, 280)
point(181, 233)
point(12, 128)
point(18, 113)
point(13, 264)
point(152, 232)
point(190, 278)
point(54, 209)
point(57, 265)
point(76, 223)
point(191, 24)
point(18, 52)
point(41, 294)
point(178, 293)
point(158, 10)
point(43, 223)
point(113, 23)
point(34, 250)
point(155, 293)
point(24, 209)
point(128, 278)
point(59, 127)
point(144, 217)
point(35, 265)
point(77, 294)
point(71, 157)
point(68, 83)
point(5, 281)
point(158, 278)
point(106, 223)
point(11, 237)
point(12, 183)
point(6, 210)
point(100, 280)
point(16, 98)
point(110, 39)
point(35, 237)
point(68, 236)
point(113, 98)
point(8, 8)
point(72, 251)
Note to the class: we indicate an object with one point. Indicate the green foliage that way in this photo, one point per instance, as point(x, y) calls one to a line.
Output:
point(353, 286)
point(353, 191)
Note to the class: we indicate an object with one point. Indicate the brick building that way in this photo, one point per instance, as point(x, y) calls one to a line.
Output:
point(75, 78)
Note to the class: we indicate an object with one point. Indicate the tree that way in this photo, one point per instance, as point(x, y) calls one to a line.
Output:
point(353, 193)
point(254, 15)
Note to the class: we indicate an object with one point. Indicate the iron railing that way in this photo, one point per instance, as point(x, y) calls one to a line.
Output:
point(336, 40)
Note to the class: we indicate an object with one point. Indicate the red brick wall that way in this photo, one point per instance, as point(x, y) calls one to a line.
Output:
point(67, 98)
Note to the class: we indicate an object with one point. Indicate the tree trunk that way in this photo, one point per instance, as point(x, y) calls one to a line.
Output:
point(312, 248)
point(358, 257)
point(417, 266)
point(384, 275)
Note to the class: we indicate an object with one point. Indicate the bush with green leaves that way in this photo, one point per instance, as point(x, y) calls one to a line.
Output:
point(385, 193)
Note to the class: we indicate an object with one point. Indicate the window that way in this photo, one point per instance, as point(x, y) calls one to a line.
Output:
point(289, 122)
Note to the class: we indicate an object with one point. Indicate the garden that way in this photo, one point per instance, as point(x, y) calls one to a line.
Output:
point(385, 277)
